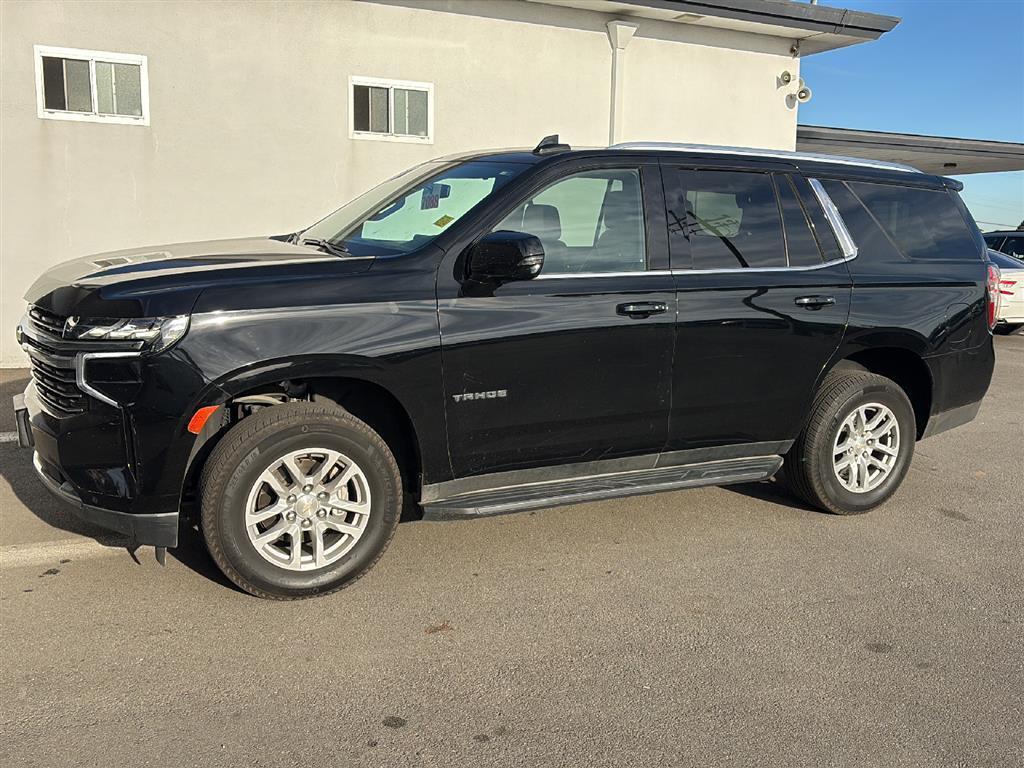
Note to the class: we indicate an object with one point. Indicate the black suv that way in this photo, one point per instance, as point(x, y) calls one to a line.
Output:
point(1010, 242)
point(506, 331)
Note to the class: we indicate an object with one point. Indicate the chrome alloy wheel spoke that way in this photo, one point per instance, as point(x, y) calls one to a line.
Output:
point(307, 509)
point(866, 448)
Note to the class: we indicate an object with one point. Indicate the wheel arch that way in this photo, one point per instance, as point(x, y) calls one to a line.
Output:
point(902, 364)
point(361, 387)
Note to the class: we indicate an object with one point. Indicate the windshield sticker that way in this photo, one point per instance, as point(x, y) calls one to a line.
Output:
point(433, 194)
point(444, 221)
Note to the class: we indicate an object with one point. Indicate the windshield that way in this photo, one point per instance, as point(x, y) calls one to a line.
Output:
point(411, 209)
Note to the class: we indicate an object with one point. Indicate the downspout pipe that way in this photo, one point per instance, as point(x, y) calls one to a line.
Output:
point(619, 35)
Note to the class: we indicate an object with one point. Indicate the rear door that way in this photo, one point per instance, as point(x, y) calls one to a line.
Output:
point(574, 365)
point(763, 299)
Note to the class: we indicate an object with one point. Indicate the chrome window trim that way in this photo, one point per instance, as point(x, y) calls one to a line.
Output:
point(747, 270)
point(82, 359)
point(668, 146)
point(636, 273)
point(835, 219)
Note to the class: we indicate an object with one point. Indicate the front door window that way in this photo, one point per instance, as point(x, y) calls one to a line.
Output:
point(588, 223)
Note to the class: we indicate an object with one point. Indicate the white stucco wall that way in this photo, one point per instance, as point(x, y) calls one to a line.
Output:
point(249, 110)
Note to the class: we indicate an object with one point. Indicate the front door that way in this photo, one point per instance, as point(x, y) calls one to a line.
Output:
point(575, 364)
point(763, 297)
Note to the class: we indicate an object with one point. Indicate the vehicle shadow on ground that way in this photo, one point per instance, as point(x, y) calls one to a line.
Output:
point(28, 491)
point(33, 498)
point(772, 491)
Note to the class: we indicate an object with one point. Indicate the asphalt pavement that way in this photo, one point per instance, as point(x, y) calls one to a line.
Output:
point(712, 627)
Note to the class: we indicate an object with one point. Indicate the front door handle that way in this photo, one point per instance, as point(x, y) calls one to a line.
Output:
point(815, 302)
point(640, 309)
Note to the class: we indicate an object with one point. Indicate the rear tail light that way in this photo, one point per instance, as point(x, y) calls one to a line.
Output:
point(993, 295)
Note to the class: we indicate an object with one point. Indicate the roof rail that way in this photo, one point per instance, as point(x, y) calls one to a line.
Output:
point(668, 146)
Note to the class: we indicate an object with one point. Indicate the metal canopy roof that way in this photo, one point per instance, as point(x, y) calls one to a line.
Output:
point(932, 154)
point(816, 27)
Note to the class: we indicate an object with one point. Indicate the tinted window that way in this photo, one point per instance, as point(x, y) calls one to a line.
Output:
point(800, 244)
point(994, 241)
point(923, 223)
point(1014, 246)
point(870, 239)
point(587, 222)
point(823, 232)
point(730, 219)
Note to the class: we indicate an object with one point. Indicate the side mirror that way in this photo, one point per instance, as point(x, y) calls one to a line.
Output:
point(503, 257)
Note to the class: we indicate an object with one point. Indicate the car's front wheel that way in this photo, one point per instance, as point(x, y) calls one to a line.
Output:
point(299, 500)
point(857, 445)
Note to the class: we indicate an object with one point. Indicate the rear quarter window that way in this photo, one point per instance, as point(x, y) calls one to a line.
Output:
point(923, 224)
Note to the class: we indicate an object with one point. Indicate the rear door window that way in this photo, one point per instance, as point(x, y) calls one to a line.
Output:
point(923, 223)
point(823, 231)
point(801, 247)
point(730, 219)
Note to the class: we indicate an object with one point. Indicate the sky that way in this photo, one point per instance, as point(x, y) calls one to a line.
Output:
point(950, 68)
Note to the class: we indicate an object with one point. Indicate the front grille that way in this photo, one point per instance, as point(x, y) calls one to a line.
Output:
point(57, 388)
point(53, 370)
point(47, 322)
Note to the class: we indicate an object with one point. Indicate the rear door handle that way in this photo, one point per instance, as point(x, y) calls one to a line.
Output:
point(815, 302)
point(641, 309)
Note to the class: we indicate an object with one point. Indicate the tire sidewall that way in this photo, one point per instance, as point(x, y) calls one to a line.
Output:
point(896, 401)
point(231, 499)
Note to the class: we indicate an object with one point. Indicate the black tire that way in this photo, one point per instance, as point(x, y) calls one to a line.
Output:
point(244, 452)
point(809, 471)
point(1007, 329)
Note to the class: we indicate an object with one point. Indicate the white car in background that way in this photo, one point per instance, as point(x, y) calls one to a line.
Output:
point(1011, 292)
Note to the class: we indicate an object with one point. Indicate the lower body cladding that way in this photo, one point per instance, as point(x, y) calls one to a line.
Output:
point(36, 432)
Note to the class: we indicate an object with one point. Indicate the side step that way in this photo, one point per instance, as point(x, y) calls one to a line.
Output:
point(554, 493)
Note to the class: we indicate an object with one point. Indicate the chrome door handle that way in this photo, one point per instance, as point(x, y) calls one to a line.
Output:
point(815, 302)
point(641, 309)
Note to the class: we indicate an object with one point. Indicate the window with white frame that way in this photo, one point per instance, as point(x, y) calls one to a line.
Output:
point(94, 86)
point(392, 110)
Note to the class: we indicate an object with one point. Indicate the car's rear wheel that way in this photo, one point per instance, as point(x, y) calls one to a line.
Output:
point(857, 445)
point(299, 500)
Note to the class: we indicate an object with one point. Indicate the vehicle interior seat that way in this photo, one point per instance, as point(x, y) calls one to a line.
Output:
point(544, 223)
point(621, 245)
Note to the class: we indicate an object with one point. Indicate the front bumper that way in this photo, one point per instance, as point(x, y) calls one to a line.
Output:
point(155, 529)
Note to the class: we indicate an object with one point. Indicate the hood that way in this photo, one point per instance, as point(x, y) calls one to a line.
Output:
point(181, 260)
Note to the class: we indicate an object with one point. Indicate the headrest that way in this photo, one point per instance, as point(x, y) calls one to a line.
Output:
point(620, 208)
point(542, 221)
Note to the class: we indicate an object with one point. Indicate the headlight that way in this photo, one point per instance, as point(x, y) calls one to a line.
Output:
point(155, 333)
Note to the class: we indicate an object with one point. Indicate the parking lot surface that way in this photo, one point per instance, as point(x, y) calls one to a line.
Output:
point(713, 627)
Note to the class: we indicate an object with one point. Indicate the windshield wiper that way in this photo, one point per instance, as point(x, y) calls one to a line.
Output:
point(335, 249)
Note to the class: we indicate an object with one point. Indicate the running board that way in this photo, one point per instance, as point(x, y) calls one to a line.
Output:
point(554, 493)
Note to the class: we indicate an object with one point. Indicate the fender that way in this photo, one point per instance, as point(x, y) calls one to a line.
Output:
point(899, 354)
point(422, 409)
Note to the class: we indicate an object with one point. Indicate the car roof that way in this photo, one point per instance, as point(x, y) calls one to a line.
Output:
point(834, 165)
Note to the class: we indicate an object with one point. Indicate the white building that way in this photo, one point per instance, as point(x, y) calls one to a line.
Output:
point(132, 123)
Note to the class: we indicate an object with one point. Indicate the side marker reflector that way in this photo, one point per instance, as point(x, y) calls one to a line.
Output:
point(198, 420)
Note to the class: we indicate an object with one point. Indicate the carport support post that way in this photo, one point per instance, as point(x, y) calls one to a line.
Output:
point(619, 33)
